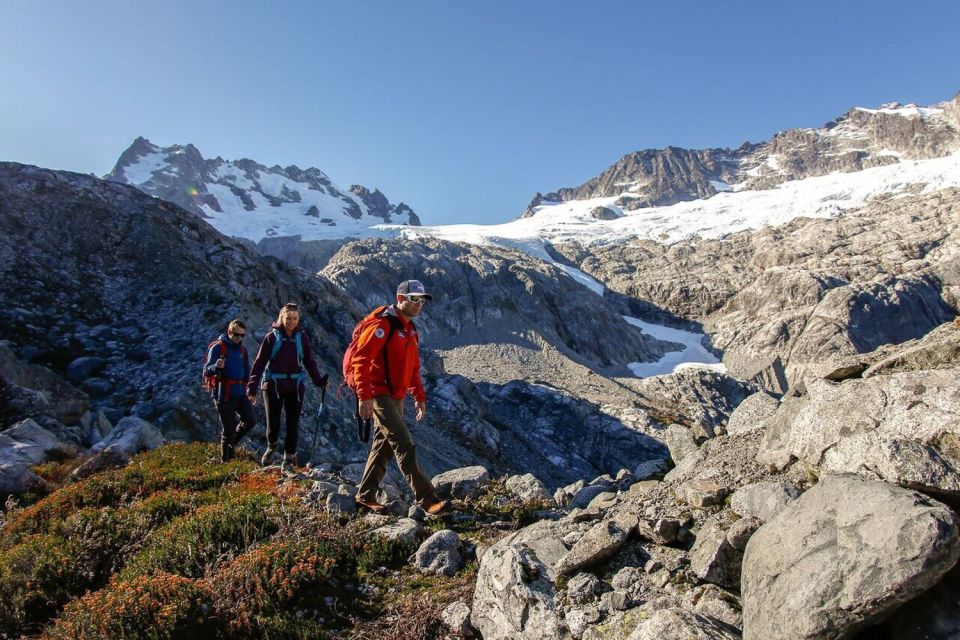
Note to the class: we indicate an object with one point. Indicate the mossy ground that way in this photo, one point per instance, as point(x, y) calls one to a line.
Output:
point(177, 545)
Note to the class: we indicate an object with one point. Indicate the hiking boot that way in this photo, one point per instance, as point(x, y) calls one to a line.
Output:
point(269, 456)
point(287, 465)
point(370, 505)
point(438, 507)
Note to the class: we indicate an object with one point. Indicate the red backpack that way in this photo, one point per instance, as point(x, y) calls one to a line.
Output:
point(371, 318)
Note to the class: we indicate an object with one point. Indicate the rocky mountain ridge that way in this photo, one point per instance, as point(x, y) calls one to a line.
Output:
point(859, 139)
point(230, 192)
point(802, 293)
point(108, 310)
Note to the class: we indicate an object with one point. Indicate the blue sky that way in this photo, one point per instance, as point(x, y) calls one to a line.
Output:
point(462, 109)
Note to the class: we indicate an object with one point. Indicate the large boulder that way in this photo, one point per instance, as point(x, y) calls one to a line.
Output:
point(679, 624)
point(763, 500)
point(514, 595)
point(598, 544)
point(527, 487)
point(465, 482)
point(22, 446)
point(439, 554)
point(713, 558)
point(843, 556)
point(901, 428)
point(131, 436)
point(752, 413)
point(680, 441)
point(405, 530)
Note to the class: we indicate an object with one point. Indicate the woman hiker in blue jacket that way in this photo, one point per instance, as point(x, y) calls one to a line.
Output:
point(283, 362)
point(228, 364)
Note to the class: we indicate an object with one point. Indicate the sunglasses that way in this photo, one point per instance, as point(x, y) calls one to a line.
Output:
point(292, 306)
point(417, 299)
point(234, 334)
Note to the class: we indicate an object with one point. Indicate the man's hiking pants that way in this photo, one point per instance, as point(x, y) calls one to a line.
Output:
point(229, 410)
point(391, 439)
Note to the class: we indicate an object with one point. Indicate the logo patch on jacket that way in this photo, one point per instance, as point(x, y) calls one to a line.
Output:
point(401, 334)
point(379, 333)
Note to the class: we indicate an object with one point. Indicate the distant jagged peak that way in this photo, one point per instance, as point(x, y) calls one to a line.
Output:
point(247, 199)
point(862, 138)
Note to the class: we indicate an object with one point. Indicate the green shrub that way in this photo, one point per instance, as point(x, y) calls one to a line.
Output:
point(189, 544)
point(274, 579)
point(37, 577)
point(160, 606)
point(187, 467)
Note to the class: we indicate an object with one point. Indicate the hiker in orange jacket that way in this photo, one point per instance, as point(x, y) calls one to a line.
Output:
point(386, 366)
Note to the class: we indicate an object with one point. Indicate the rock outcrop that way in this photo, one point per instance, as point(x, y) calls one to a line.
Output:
point(842, 556)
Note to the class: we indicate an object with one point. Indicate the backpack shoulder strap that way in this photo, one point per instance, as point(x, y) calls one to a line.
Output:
point(395, 324)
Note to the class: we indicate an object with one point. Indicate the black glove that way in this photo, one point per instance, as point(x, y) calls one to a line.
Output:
point(323, 380)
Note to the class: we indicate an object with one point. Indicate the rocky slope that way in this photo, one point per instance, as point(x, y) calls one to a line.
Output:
point(246, 199)
point(806, 291)
point(859, 139)
point(829, 514)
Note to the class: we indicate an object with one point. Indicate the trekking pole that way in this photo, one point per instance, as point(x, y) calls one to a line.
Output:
point(321, 412)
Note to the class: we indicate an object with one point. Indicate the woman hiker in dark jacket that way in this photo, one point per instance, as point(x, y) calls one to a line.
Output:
point(284, 361)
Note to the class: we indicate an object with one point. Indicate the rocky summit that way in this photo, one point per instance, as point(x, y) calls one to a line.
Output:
point(270, 201)
point(805, 486)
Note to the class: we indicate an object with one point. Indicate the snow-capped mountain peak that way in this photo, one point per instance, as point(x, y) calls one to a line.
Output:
point(246, 199)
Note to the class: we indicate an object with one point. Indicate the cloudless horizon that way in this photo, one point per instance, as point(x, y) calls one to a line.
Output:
point(462, 110)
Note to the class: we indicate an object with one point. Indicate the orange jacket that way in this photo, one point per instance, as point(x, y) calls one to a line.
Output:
point(372, 356)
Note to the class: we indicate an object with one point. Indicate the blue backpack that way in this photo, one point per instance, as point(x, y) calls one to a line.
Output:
point(279, 339)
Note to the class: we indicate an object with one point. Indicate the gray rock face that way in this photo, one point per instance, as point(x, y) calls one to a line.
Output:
point(131, 436)
point(696, 397)
point(85, 367)
point(598, 544)
point(844, 555)
point(514, 595)
point(805, 292)
point(679, 624)
point(713, 558)
point(456, 617)
point(490, 295)
point(901, 428)
point(679, 441)
point(341, 503)
point(582, 588)
point(763, 500)
point(461, 483)
point(584, 496)
point(751, 414)
point(939, 349)
point(702, 493)
point(527, 487)
point(439, 554)
point(406, 530)
point(21, 446)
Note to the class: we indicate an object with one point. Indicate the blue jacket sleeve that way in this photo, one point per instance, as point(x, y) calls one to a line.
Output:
point(210, 368)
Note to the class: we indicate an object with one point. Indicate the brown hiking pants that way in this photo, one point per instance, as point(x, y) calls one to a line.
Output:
point(392, 439)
